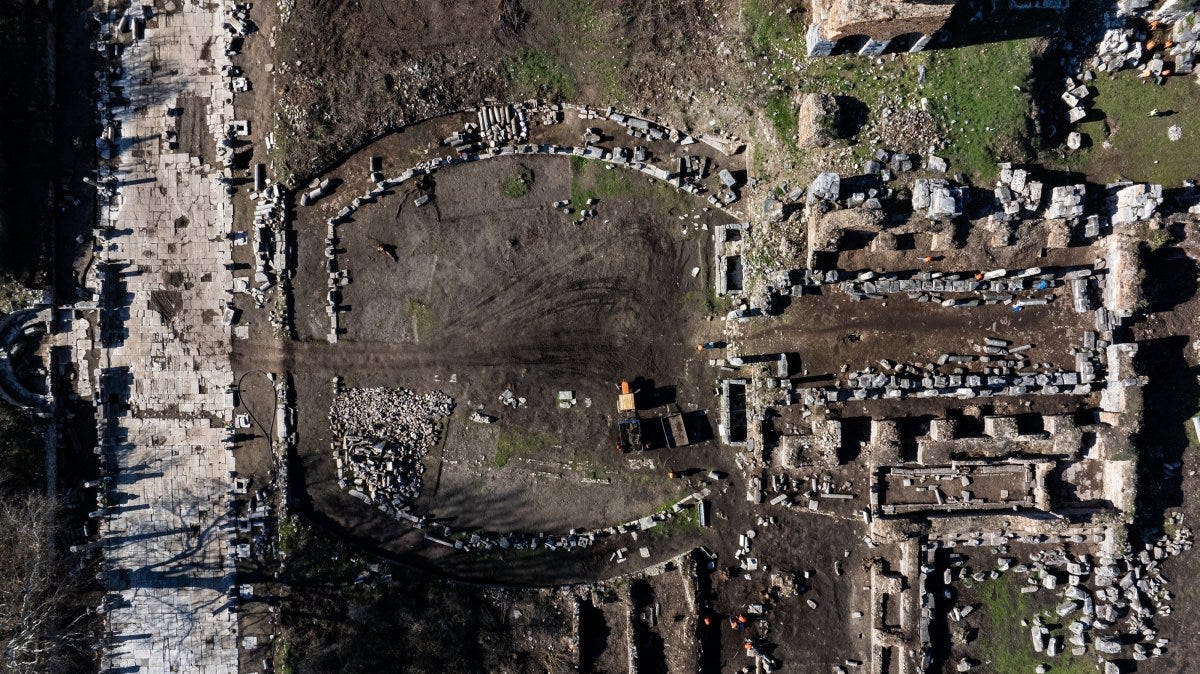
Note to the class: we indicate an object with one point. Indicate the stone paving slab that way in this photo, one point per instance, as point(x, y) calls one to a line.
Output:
point(166, 546)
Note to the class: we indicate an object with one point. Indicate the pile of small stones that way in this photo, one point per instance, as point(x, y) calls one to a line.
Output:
point(394, 414)
point(1108, 604)
point(384, 435)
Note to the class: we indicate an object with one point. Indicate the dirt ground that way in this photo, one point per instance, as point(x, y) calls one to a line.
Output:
point(803, 639)
point(1168, 478)
point(489, 292)
point(394, 64)
point(832, 329)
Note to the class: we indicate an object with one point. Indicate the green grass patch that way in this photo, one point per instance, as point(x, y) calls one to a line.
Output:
point(590, 179)
point(421, 315)
point(706, 301)
point(291, 535)
point(775, 31)
point(513, 442)
point(977, 93)
point(1140, 149)
point(684, 523)
point(542, 73)
point(781, 110)
point(1005, 643)
point(590, 59)
point(518, 184)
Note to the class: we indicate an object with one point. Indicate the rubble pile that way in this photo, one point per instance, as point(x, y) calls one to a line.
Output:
point(503, 130)
point(1185, 33)
point(806, 491)
point(1076, 95)
point(1000, 367)
point(1129, 203)
point(270, 259)
point(1120, 48)
point(1017, 287)
point(1016, 194)
point(1066, 202)
point(938, 198)
point(576, 539)
point(1128, 45)
point(1106, 603)
point(384, 435)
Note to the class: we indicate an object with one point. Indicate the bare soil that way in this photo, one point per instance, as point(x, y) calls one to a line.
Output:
point(488, 292)
point(393, 64)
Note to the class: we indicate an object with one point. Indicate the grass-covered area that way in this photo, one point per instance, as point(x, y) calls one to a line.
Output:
point(286, 657)
point(977, 94)
point(422, 316)
point(687, 521)
point(538, 72)
point(593, 58)
point(774, 29)
point(1140, 149)
point(513, 442)
point(518, 183)
point(706, 301)
point(1005, 643)
point(591, 179)
point(781, 110)
point(774, 35)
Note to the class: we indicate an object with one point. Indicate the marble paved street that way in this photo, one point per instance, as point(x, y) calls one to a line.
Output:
point(164, 362)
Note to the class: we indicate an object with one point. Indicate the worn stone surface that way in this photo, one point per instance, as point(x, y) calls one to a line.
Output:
point(880, 19)
point(165, 372)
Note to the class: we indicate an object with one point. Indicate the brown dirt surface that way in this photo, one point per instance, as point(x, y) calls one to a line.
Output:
point(393, 64)
point(489, 291)
point(831, 329)
point(1169, 357)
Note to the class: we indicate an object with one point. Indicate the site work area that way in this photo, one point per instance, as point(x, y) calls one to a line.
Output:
point(627, 336)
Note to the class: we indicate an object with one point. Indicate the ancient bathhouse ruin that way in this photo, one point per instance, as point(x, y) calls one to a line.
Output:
point(1009, 453)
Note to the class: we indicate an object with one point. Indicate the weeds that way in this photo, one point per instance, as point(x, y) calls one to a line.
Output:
point(518, 184)
point(591, 180)
point(976, 93)
point(781, 110)
point(774, 31)
point(542, 73)
point(1139, 147)
point(421, 315)
point(1004, 643)
point(514, 442)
